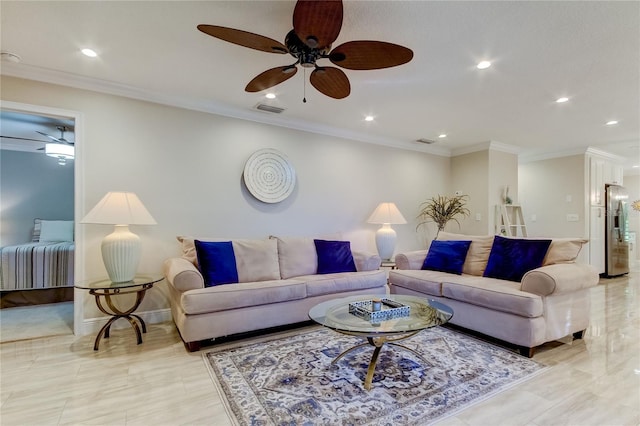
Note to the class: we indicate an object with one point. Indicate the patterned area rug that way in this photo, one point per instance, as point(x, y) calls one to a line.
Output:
point(290, 380)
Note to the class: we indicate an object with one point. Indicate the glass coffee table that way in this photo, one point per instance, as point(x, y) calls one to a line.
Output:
point(424, 313)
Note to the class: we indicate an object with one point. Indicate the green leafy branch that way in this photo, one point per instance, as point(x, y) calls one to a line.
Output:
point(442, 209)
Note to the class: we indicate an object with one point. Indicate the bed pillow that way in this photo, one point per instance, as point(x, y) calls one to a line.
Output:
point(217, 262)
point(446, 256)
point(334, 256)
point(56, 230)
point(511, 258)
point(37, 225)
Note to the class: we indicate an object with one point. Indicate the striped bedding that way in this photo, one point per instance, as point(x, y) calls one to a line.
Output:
point(37, 266)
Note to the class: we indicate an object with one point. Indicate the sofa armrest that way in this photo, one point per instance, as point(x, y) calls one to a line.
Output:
point(182, 274)
point(411, 259)
point(559, 278)
point(366, 261)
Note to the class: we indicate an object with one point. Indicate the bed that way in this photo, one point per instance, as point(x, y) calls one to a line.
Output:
point(39, 271)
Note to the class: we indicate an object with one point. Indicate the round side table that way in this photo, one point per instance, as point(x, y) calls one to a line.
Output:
point(104, 288)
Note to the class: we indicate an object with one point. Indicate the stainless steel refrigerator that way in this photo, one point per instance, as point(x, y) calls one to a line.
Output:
point(616, 244)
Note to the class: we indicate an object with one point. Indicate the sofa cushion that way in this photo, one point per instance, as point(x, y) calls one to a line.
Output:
point(187, 244)
point(217, 262)
point(511, 258)
point(499, 295)
point(478, 253)
point(346, 281)
point(256, 260)
point(446, 256)
point(297, 256)
point(427, 282)
point(563, 250)
point(334, 257)
point(226, 297)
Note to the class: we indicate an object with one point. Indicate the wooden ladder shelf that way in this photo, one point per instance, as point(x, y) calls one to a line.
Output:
point(510, 220)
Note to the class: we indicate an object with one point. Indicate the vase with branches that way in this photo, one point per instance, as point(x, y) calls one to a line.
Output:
point(442, 209)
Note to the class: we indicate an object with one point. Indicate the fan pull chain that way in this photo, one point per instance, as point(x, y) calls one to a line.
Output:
point(304, 86)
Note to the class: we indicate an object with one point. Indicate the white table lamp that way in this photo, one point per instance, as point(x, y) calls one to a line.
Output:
point(121, 249)
point(387, 214)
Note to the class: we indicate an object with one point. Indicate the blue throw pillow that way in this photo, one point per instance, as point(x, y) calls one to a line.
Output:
point(334, 256)
point(446, 256)
point(217, 262)
point(511, 258)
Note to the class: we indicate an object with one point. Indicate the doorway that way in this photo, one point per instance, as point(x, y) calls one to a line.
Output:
point(49, 191)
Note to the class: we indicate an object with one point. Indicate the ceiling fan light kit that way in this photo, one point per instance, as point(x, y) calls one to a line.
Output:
point(59, 151)
point(316, 25)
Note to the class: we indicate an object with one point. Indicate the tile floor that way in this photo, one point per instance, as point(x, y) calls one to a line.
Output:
point(60, 380)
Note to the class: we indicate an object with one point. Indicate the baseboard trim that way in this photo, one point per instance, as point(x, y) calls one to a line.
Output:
point(93, 325)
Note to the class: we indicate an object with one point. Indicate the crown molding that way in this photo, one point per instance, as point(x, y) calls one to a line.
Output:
point(609, 156)
point(76, 81)
point(487, 146)
point(531, 157)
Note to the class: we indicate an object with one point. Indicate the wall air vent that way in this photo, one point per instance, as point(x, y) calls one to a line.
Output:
point(269, 108)
point(425, 141)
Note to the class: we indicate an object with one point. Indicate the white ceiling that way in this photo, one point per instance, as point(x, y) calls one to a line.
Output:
point(588, 51)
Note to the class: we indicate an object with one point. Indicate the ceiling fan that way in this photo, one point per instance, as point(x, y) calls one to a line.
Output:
point(61, 139)
point(316, 25)
point(61, 149)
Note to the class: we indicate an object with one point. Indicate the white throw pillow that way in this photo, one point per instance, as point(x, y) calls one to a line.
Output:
point(56, 230)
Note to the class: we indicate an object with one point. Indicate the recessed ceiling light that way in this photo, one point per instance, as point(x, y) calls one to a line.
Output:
point(636, 166)
point(270, 96)
point(562, 100)
point(612, 122)
point(483, 65)
point(89, 52)
point(443, 135)
point(368, 118)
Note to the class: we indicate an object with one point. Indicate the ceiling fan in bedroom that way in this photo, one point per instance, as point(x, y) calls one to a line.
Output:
point(316, 25)
point(60, 148)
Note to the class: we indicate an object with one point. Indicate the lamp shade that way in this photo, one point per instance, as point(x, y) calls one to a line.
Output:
point(120, 249)
point(119, 208)
point(387, 213)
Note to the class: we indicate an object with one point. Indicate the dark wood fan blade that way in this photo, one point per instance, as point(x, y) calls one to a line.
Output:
point(270, 78)
point(333, 82)
point(244, 38)
point(317, 23)
point(370, 55)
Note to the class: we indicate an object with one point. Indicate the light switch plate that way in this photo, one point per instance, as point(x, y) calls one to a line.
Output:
point(572, 217)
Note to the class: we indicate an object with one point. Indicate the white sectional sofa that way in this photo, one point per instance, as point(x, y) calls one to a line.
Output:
point(546, 304)
point(277, 283)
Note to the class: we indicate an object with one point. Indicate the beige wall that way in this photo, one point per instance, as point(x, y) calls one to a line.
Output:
point(503, 171)
point(632, 183)
point(551, 189)
point(470, 175)
point(187, 166)
point(483, 175)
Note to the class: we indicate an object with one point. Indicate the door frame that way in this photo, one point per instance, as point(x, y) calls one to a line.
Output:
point(78, 201)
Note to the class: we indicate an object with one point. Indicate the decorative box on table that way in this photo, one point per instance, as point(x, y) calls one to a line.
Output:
point(389, 309)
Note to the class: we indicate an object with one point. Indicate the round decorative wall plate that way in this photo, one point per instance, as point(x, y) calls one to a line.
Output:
point(269, 176)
